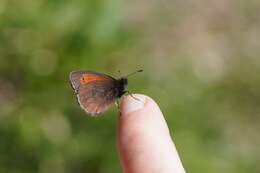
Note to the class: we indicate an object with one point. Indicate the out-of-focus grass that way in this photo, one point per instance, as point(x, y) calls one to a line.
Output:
point(201, 64)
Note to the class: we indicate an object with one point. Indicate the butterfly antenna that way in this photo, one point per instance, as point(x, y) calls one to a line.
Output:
point(138, 71)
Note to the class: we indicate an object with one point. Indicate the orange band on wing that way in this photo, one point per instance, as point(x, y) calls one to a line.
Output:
point(86, 78)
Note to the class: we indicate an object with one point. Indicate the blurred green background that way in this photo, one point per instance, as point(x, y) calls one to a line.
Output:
point(201, 64)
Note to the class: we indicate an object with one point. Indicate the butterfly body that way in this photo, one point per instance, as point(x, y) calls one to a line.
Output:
point(121, 85)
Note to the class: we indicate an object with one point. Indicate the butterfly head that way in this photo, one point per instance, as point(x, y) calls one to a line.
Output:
point(123, 81)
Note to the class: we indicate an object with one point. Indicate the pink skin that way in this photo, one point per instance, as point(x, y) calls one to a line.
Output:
point(144, 141)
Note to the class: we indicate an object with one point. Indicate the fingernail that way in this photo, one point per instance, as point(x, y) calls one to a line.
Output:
point(132, 103)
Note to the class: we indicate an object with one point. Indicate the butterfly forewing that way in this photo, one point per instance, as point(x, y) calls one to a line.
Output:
point(80, 77)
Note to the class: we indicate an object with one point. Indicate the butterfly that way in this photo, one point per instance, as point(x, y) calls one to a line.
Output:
point(96, 92)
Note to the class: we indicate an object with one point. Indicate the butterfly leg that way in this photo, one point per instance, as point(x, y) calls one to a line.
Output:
point(129, 93)
point(118, 106)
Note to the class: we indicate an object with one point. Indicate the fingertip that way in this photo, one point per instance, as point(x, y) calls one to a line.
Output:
point(132, 103)
point(143, 137)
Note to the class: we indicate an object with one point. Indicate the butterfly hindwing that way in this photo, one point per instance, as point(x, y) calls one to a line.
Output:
point(96, 97)
point(95, 91)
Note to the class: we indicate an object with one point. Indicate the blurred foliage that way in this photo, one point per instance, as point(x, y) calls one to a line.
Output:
point(201, 64)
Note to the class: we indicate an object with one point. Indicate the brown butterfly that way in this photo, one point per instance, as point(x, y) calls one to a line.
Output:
point(96, 92)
